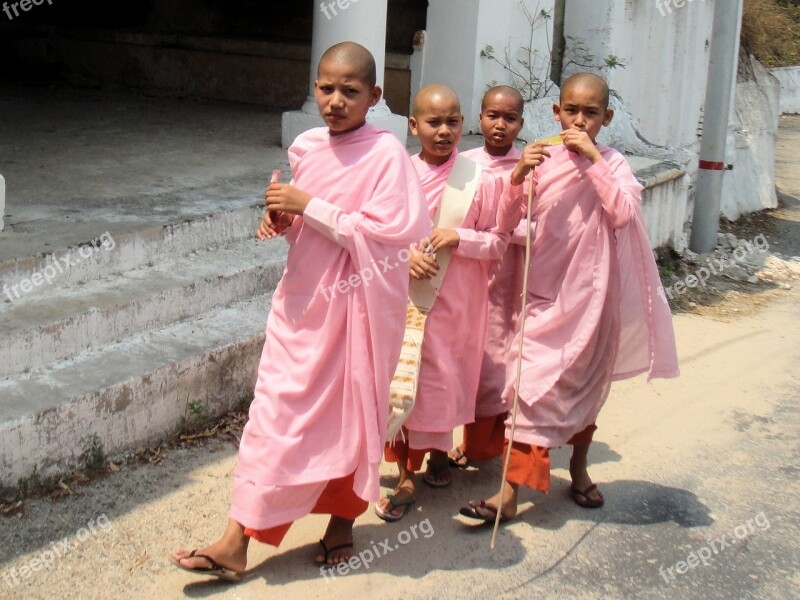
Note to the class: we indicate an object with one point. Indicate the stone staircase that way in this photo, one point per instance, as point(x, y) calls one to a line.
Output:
point(116, 341)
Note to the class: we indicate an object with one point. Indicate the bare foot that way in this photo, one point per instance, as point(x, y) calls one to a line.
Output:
point(583, 490)
point(457, 458)
point(229, 552)
point(509, 508)
point(438, 472)
point(338, 535)
point(404, 491)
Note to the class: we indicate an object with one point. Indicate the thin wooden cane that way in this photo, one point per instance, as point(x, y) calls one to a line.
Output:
point(521, 320)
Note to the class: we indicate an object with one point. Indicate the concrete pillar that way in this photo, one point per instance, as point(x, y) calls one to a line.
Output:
point(458, 30)
point(665, 48)
point(335, 21)
point(2, 201)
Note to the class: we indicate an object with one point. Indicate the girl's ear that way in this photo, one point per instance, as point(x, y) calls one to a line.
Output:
point(608, 117)
point(412, 125)
point(557, 112)
point(377, 94)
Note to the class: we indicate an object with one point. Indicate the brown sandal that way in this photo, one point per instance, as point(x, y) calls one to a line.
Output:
point(482, 511)
point(581, 498)
point(215, 570)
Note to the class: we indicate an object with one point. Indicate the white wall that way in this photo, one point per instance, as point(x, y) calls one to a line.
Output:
point(790, 88)
point(665, 80)
point(458, 30)
point(751, 147)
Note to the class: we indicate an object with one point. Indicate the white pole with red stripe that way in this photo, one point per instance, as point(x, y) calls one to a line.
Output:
point(718, 104)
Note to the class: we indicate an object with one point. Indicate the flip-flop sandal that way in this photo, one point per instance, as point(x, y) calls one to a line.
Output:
point(215, 570)
point(326, 551)
point(436, 470)
point(456, 462)
point(387, 515)
point(482, 511)
point(581, 498)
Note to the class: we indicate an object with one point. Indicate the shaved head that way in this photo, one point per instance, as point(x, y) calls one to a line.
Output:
point(587, 80)
point(506, 92)
point(352, 54)
point(435, 93)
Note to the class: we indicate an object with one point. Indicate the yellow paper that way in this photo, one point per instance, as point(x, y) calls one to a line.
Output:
point(554, 140)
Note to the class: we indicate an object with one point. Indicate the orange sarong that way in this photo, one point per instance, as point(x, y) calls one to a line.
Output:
point(530, 465)
point(484, 439)
point(401, 453)
point(337, 499)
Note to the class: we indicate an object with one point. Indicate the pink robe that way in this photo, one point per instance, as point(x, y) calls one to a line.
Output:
point(593, 314)
point(455, 332)
point(505, 288)
point(335, 328)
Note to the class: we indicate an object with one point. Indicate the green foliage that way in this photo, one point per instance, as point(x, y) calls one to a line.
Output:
point(94, 457)
point(195, 417)
point(34, 485)
point(196, 410)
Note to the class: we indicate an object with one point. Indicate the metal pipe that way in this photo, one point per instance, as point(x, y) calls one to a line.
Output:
point(719, 93)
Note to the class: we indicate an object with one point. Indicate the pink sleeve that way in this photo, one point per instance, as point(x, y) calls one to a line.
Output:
point(326, 218)
point(485, 241)
point(394, 214)
point(512, 206)
point(518, 235)
point(618, 189)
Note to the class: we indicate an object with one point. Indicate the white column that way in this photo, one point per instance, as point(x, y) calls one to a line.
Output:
point(2, 201)
point(335, 21)
point(452, 48)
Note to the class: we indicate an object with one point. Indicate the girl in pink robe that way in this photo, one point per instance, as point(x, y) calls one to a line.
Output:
point(317, 426)
point(483, 439)
point(593, 312)
point(455, 331)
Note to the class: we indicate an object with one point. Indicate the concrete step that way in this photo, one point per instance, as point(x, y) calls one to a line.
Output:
point(129, 393)
point(109, 254)
point(60, 321)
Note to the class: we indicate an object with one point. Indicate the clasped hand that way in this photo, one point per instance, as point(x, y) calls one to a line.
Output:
point(422, 264)
point(283, 203)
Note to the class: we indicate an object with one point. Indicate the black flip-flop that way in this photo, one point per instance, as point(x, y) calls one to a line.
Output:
point(454, 462)
point(326, 551)
point(436, 470)
point(215, 570)
point(581, 498)
point(482, 512)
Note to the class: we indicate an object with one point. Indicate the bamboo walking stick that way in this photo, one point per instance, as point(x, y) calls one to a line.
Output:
point(555, 140)
point(521, 320)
